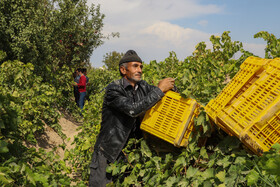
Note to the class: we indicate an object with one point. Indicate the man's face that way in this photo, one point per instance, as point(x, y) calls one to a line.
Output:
point(133, 72)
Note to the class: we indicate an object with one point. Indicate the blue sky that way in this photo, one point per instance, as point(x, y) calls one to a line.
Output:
point(153, 28)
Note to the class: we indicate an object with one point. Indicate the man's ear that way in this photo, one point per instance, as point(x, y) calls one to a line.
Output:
point(123, 70)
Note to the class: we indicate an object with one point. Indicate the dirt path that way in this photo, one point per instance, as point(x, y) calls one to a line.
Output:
point(50, 139)
point(70, 130)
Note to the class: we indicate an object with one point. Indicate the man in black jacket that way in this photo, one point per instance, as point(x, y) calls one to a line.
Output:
point(125, 102)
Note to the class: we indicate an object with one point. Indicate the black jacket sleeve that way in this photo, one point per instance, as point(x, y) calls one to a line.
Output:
point(116, 97)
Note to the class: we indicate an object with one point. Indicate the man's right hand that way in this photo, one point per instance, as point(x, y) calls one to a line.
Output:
point(166, 84)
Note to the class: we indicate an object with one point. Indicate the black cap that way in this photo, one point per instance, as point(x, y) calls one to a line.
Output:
point(130, 56)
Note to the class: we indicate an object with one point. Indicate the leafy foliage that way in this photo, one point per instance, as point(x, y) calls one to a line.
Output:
point(31, 99)
point(216, 64)
point(55, 36)
point(50, 34)
point(99, 78)
point(41, 43)
point(196, 74)
point(27, 104)
point(266, 168)
point(112, 59)
point(194, 166)
point(272, 49)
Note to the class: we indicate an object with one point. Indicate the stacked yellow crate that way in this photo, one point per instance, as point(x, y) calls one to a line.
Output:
point(171, 119)
point(249, 106)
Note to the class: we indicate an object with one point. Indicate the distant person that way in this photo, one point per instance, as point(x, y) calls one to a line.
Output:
point(76, 77)
point(84, 70)
point(82, 88)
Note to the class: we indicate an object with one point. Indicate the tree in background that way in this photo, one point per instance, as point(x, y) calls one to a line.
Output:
point(112, 59)
point(56, 36)
point(53, 35)
point(41, 43)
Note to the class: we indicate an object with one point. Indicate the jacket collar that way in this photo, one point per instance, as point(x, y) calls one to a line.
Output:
point(127, 84)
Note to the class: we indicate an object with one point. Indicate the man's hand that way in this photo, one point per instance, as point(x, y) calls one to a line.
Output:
point(166, 84)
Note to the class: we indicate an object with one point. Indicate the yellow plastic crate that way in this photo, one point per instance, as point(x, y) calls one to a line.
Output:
point(251, 116)
point(185, 140)
point(171, 119)
point(252, 112)
point(247, 75)
point(259, 137)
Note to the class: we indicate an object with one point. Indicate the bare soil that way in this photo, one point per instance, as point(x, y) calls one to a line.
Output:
point(50, 138)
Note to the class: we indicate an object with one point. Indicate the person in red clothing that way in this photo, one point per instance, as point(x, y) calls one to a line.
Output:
point(82, 88)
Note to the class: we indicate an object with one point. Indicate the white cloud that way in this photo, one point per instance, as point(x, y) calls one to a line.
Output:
point(144, 25)
point(156, 41)
point(151, 10)
point(173, 33)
